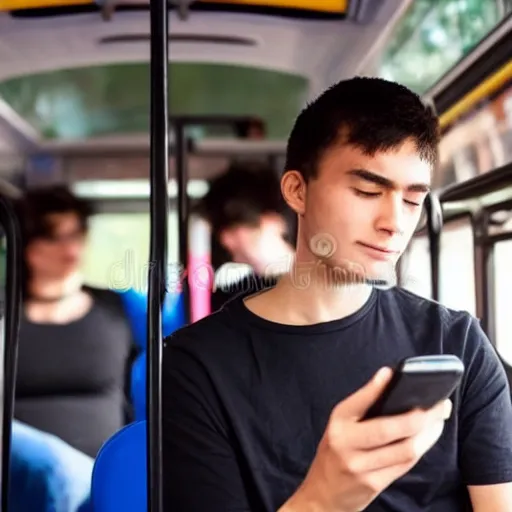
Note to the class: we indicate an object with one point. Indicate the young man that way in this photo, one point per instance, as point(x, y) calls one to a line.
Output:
point(264, 401)
point(248, 218)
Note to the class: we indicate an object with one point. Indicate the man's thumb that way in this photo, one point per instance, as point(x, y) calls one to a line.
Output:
point(356, 405)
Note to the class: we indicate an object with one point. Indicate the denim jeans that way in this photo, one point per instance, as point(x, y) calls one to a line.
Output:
point(47, 474)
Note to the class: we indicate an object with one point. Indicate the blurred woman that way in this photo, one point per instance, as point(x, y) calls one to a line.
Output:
point(75, 353)
point(75, 342)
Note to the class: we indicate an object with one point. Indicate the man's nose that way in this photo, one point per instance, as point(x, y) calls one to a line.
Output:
point(392, 215)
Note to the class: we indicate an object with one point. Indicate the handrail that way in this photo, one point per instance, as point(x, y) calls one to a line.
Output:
point(479, 186)
point(12, 309)
point(129, 144)
point(159, 204)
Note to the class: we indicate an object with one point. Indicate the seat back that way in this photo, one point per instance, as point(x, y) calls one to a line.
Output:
point(136, 304)
point(119, 479)
point(138, 387)
point(173, 319)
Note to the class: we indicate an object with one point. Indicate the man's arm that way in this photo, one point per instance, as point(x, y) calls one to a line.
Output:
point(200, 469)
point(485, 432)
point(497, 498)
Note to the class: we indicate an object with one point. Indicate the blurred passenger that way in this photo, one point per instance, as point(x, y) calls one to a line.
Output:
point(248, 218)
point(75, 342)
point(74, 365)
point(75, 349)
point(253, 129)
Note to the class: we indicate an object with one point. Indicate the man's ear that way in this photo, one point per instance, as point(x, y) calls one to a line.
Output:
point(293, 188)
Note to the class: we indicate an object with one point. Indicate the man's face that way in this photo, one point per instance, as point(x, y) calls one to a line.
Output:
point(361, 211)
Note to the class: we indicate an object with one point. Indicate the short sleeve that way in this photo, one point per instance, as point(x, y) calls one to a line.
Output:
point(200, 466)
point(485, 430)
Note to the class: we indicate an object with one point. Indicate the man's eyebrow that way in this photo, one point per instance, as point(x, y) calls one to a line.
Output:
point(386, 182)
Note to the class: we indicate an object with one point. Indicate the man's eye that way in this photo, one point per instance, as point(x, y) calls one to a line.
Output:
point(366, 194)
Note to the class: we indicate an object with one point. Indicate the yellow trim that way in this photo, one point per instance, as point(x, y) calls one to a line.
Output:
point(333, 6)
point(11, 5)
point(484, 90)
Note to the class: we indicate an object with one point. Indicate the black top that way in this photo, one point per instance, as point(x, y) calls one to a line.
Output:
point(240, 287)
point(246, 402)
point(72, 379)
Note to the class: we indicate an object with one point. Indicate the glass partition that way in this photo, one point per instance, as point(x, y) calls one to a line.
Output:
point(457, 272)
point(415, 267)
point(503, 298)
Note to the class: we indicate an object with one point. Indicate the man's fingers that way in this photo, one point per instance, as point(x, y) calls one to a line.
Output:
point(356, 405)
point(378, 432)
point(407, 451)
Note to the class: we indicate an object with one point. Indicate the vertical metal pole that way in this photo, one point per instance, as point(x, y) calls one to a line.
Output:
point(159, 205)
point(435, 250)
point(489, 298)
point(12, 308)
point(434, 223)
point(484, 269)
point(183, 211)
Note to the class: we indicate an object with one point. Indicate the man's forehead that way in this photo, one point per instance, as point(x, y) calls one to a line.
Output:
point(402, 166)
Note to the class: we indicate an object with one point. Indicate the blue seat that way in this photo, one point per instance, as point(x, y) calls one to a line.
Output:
point(138, 387)
point(135, 305)
point(172, 320)
point(119, 475)
point(173, 317)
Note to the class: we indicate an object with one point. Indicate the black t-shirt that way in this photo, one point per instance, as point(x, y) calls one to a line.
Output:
point(246, 402)
point(73, 379)
point(240, 287)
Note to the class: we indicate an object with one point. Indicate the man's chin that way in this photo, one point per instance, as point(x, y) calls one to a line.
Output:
point(383, 276)
point(351, 271)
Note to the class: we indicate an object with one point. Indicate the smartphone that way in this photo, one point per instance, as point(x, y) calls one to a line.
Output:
point(418, 383)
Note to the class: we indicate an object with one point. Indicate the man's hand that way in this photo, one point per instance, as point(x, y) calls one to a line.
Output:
point(356, 460)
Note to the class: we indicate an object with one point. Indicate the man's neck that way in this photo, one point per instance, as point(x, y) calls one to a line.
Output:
point(302, 298)
point(50, 288)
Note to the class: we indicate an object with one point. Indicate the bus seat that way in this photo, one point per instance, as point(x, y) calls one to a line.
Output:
point(173, 319)
point(135, 304)
point(119, 478)
point(138, 387)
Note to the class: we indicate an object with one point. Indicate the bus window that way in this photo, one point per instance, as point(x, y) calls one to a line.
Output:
point(457, 274)
point(415, 268)
point(117, 254)
point(478, 143)
point(502, 287)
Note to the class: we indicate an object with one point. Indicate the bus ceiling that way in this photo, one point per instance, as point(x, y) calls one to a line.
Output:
point(317, 46)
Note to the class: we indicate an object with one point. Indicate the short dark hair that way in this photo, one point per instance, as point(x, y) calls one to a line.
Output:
point(37, 204)
point(241, 196)
point(370, 113)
